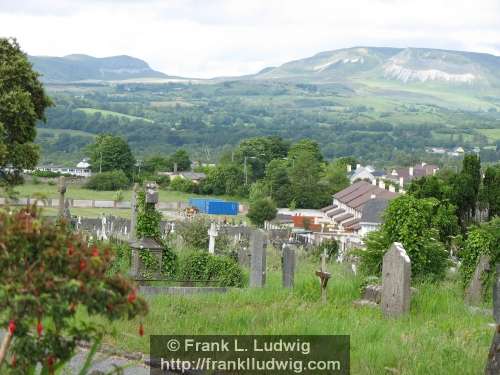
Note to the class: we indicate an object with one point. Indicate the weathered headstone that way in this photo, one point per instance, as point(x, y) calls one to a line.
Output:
point(212, 234)
point(62, 191)
point(474, 293)
point(139, 269)
point(243, 257)
point(493, 364)
point(396, 279)
point(288, 266)
point(258, 259)
point(133, 214)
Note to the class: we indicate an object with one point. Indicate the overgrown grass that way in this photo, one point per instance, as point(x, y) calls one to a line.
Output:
point(439, 336)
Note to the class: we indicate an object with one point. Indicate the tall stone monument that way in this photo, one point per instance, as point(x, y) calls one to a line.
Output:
point(396, 280)
point(258, 259)
point(212, 234)
point(288, 266)
point(474, 292)
point(133, 214)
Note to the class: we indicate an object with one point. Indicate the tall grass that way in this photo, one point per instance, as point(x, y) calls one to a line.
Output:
point(439, 336)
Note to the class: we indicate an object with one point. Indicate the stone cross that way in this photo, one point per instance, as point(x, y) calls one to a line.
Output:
point(212, 233)
point(474, 292)
point(133, 214)
point(493, 364)
point(396, 279)
point(258, 259)
point(103, 228)
point(62, 191)
point(288, 266)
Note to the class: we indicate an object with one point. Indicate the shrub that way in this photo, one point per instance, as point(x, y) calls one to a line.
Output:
point(46, 174)
point(182, 184)
point(483, 240)
point(195, 233)
point(261, 211)
point(202, 266)
point(48, 273)
point(162, 181)
point(330, 245)
point(114, 180)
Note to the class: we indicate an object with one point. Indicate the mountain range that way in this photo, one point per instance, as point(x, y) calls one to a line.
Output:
point(75, 68)
point(403, 65)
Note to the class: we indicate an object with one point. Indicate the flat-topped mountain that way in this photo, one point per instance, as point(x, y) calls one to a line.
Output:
point(74, 68)
point(398, 64)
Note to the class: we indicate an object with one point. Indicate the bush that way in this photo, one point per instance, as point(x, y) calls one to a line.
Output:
point(330, 245)
point(162, 181)
point(182, 184)
point(46, 174)
point(483, 240)
point(195, 233)
point(262, 210)
point(202, 266)
point(114, 180)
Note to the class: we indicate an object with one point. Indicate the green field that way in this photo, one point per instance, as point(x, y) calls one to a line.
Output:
point(440, 335)
point(493, 134)
point(111, 113)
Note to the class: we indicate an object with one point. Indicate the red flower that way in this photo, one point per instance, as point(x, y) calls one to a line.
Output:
point(95, 251)
point(12, 327)
point(83, 265)
point(141, 330)
point(39, 328)
point(132, 296)
point(50, 361)
point(71, 249)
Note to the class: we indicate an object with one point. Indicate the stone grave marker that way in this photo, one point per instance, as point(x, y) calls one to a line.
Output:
point(133, 214)
point(474, 292)
point(212, 233)
point(493, 363)
point(288, 266)
point(62, 192)
point(396, 279)
point(243, 257)
point(258, 259)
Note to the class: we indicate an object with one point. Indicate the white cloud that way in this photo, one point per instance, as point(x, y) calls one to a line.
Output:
point(200, 38)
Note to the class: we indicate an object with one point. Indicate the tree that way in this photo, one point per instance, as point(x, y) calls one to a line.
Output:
point(262, 210)
point(224, 179)
point(410, 221)
point(278, 183)
point(335, 177)
point(22, 104)
point(111, 153)
point(111, 181)
point(181, 158)
point(304, 177)
point(50, 278)
point(490, 192)
point(305, 145)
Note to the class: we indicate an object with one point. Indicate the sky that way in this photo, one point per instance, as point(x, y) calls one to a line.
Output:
point(208, 38)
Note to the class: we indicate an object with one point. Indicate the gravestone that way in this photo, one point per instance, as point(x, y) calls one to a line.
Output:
point(474, 292)
point(212, 234)
point(138, 270)
point(493, 364)
point(133, 214)
point(288, 266)
point(258, 259)
point(396, 279)
point(243, 257)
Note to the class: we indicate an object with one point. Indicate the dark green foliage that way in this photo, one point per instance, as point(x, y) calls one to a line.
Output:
point(410, 221)
point(46, 174)
point(113, 180)
point(110, 153)
point(490, 192)
point(22, 104)
point(330, 245)
point(278, 183)
point(262, 210)
point(183, 184)
point(181, 158)
point(224, 179)
point(202, 266)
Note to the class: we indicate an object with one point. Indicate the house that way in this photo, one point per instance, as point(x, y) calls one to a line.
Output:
point(195, 177)
point(403, 176)
point(84, 164)
point(356, 211)
point(73, 171)
point(367, 173)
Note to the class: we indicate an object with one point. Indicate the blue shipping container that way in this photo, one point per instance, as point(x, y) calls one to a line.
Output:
point(215, 206)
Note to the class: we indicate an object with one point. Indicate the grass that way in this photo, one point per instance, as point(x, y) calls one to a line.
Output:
point(104, 112)
point(492, 134)
point(439, 336)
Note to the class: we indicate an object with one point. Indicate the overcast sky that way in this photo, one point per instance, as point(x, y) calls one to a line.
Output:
point(206, 38)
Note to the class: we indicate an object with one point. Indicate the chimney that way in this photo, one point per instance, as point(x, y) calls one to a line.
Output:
point(401, 181)
point(434, 170)
point(424, 164)
point(348, 168)
point(392, 189)
point(381, 184)
point(175, 167)
point(410, 170)
point(374, 182)
point(373, 196)
point(358, 166)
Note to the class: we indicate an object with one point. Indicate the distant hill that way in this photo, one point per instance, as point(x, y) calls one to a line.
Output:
point(408, 65)
point(74, 68)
